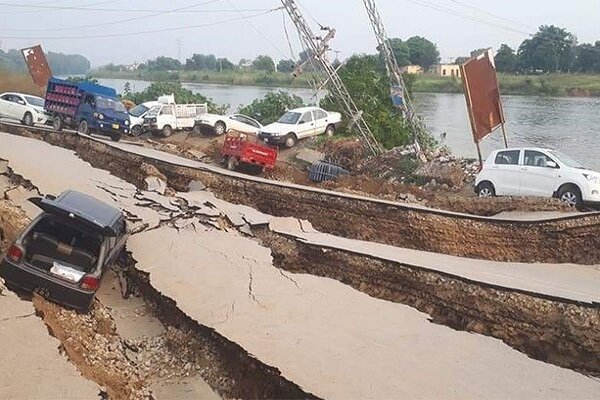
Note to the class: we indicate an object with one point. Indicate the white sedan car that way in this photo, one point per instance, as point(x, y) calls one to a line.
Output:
point(300, 123)
point(221, 124)
point(23, 107)
point(538, 172)
point(137, 114)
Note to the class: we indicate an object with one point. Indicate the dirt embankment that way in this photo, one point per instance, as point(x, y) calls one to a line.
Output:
point(127, 368)
point(552, 331)
point(570, 240)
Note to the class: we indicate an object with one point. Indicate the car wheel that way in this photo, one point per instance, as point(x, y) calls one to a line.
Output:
point(83, 128)
point(290, 140)
point(57, 124)
point(330, 131)
point(232, 163)
point(115, 137)
point(167, 131)
point(28, 119)
point(486, 189)
point(570, 195)
point(197, 130)
point(136, 130)
point(220, 128)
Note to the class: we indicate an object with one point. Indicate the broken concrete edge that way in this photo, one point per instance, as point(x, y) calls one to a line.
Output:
point(549, 330)
point(178, 161)
point(247, 367)
point(470, 237)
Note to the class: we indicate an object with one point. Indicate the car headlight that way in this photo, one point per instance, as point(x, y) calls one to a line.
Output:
point(592, 178)
point(126, 122)
point(100, 116)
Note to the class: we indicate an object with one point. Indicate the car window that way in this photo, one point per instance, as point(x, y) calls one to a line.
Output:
point(6, 97)
point(509, 157)
point(306, 118)
point(252, 122)
point(320, 114)
point(537, 159)
point(167, 110)
point(35, 101)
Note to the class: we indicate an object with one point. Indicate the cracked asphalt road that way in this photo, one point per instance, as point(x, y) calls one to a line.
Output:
point(330, 339)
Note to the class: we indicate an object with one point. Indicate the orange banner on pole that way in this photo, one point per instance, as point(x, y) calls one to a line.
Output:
point(482, 95)
point(37, 65)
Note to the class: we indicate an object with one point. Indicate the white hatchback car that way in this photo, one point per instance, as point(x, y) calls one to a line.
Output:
point(538, 172)
point(23, 107)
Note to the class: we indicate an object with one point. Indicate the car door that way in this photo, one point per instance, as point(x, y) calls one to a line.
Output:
point(539, 174)
point(5, 103)
point(321, 121)
point(19, 106)
point(244, 124)
point(167, 117)
point(306, 125)
point(505, 172)
point(10, 109)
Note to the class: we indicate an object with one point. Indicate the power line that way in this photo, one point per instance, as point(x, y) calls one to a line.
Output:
point(512, 21)
point(120, 10)
point(256, 29)
point(113, 35)
point(40, 8)
point(115, 22)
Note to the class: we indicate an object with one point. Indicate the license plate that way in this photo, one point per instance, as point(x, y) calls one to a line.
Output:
point(115, 126)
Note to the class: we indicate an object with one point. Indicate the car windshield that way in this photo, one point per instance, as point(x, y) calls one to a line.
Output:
point(567, 160)
point(290, 118)
point(138, 111)
point(153, 112)
point(35, 101)
point(105, 103)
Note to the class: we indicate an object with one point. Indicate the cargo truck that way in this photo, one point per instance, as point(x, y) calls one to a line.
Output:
point(168, 117)
point(87, 107)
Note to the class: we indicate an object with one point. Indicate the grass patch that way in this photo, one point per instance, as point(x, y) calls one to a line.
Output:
point(16, 82)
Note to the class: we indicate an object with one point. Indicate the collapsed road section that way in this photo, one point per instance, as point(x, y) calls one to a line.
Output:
point(555, 240)
point(324, 336)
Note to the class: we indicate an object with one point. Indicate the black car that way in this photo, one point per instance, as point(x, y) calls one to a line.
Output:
point(63, 253)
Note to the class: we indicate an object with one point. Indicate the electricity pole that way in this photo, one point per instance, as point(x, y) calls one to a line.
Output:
point(400, 96)
point(317, 48)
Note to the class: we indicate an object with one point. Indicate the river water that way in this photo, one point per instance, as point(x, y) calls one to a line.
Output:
point(568, 124)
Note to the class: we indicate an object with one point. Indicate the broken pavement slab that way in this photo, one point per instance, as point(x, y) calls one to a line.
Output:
point(30, 363)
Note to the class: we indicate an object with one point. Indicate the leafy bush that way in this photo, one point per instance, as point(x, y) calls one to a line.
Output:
point(182, 96)
point(369, 87)
point(272, 106)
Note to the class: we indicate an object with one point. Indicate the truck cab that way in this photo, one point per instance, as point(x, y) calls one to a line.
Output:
point(87, 107)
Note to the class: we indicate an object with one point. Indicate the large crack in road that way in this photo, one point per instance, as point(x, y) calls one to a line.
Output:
point(559, 240)
point(328, 338)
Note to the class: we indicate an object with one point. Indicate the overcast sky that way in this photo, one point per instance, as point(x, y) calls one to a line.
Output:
point(456, 26)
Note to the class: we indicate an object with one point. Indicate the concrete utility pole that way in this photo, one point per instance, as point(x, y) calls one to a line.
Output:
point(317, 48)
point(400, 96)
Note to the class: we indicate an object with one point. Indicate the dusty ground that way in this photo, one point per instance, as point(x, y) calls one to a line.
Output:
point(206, 148)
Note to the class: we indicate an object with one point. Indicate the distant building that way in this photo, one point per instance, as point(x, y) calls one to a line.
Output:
point(447, 70)
point(412, 69)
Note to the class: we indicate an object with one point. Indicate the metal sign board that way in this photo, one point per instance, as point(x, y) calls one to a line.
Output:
point(482, 95)
point(37, 65)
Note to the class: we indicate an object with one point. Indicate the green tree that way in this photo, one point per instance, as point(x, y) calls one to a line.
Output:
point(588, 58)
point(401, 51)
point(223, 64)
point(551, 49)
point(200, 62)
point(461, 60)
point(163, 64)
point(423, 52)
point(369, 87)
point(506, 59)
point(263, 63)
point(272, 106)
point(286, 66)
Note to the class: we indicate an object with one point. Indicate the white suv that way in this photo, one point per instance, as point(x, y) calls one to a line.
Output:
point(300, 123)
point(538, 172)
